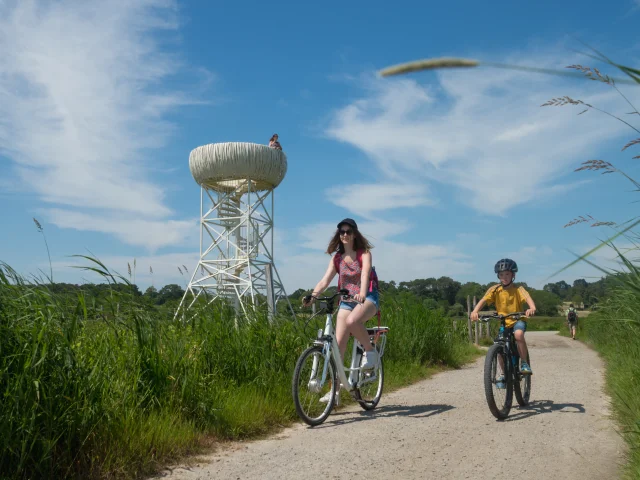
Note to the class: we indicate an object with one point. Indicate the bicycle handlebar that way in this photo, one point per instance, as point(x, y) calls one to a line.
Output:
point(517, 315)
point(344, 292)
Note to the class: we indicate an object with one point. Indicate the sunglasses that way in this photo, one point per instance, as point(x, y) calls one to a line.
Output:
point(346, 232)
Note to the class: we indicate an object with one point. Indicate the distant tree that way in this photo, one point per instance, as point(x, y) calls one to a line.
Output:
point(423, 287)
point(457, 310)
point(151, 294)
point(469, 289)
point(546, 302)
point(297, 294)
point(447, 289)
point(387, 287)
point(169, 292)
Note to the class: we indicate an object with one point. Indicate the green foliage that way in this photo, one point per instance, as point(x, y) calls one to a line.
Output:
point(114, 387)
point(546, 302)
point(581, 291)
point(469, 289)
point(614, 331)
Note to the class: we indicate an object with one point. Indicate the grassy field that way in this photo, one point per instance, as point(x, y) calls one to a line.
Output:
point(119, 390)
point(615, 332)
point(546, 324)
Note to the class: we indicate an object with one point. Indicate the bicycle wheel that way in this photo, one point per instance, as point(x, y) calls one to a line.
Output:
point(498, 399)
point(369, 394)
point(307, 388)
point(522, 387)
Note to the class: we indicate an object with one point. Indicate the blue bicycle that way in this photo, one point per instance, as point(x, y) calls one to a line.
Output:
point(502, 376)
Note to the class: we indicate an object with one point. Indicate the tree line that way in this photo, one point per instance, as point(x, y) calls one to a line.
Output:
point(450, 295)
point(444, 292)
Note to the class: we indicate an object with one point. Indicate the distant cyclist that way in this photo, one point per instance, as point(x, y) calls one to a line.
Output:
point(572, 320)
point(509, 299)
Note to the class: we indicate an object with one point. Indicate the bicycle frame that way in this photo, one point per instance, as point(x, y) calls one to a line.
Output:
point(330, 348)
point(508, 342)
point(326, 339)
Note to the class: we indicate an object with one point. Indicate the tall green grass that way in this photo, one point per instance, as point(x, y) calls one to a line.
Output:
point(615, 332)
point(118, 390)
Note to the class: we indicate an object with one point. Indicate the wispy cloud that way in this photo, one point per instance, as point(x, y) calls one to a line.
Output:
point(152, 234)
point(483, 133)
point(366, 199)
point(531, 255)
point(394, 259)
point(82, 105)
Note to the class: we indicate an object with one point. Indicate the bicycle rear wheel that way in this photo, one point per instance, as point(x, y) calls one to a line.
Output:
point(522, 387)
point(498, 399)
point(369, 394)
point(308, 390)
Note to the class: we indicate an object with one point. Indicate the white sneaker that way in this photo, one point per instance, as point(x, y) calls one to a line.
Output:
point(369, 360)
point(326, 398)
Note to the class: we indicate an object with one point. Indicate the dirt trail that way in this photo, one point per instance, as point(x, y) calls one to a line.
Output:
point(442, 428)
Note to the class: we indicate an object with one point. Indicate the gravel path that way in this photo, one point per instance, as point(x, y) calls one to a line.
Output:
point(442, 428)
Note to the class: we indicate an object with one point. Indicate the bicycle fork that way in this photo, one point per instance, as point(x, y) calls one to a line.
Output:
point(326, 341)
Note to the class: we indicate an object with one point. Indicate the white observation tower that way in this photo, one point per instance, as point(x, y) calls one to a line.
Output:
point(236, 224)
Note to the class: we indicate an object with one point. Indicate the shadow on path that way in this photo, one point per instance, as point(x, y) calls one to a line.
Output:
point(414, 411)
point(545, 406)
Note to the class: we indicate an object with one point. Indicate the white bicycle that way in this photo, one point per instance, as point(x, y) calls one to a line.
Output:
point(316, 377)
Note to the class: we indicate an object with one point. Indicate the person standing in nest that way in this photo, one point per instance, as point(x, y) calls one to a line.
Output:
point(351, 261)
point(274, 143)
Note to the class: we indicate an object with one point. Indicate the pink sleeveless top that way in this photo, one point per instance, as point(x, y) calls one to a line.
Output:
point(350, 276)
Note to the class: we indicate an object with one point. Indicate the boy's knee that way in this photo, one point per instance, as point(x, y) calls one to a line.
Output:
point(519, 334)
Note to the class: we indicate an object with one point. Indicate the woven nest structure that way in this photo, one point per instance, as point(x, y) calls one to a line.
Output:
point(225, 167)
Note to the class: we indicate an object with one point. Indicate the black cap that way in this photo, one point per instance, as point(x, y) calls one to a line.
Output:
point(349, 221)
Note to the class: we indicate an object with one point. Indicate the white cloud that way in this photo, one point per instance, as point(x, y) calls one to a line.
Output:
point(152, 234)
point(366, 199)
point(82, 105)
point(531, 255)
point(605, 258)
point(482, 132)
point(394, 260)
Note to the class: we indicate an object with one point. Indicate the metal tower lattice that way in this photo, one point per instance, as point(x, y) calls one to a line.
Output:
point(236, 225)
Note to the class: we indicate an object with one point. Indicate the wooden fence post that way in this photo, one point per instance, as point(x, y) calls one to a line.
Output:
point(469, 317)
point(477, 323)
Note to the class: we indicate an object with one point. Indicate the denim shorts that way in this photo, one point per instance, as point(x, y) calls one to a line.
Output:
point(372, 296)
point(520, 325)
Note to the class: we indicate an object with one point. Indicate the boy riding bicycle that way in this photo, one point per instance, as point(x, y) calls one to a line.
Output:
point(509, 299)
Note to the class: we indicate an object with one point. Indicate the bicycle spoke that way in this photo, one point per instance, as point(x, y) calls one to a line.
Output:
point(307, 391)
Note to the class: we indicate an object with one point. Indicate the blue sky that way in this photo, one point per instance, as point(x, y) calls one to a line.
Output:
point(101, 103)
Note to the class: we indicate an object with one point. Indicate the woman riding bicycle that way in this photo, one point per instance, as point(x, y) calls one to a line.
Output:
point(352, 262)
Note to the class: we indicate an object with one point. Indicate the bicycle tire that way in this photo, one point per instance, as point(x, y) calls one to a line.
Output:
point(373, 403)
point(296, 392)
point(493, 354)
point(522, 394)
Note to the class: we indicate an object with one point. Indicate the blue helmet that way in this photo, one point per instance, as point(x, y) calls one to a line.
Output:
point(506, 265)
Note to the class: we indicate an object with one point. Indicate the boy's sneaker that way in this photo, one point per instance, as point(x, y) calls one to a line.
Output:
point(369, 360)
point(500, 382)
point(525, 369)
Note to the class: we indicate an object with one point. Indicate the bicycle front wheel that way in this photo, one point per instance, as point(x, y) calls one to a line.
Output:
point(370, 391)
point(522, 387)
point(499, 393)
point(313, 398)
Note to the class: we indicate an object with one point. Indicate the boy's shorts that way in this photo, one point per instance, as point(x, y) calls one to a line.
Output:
point(520, 325)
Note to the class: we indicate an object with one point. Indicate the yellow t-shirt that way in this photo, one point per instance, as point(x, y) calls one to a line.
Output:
point(507, 300)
